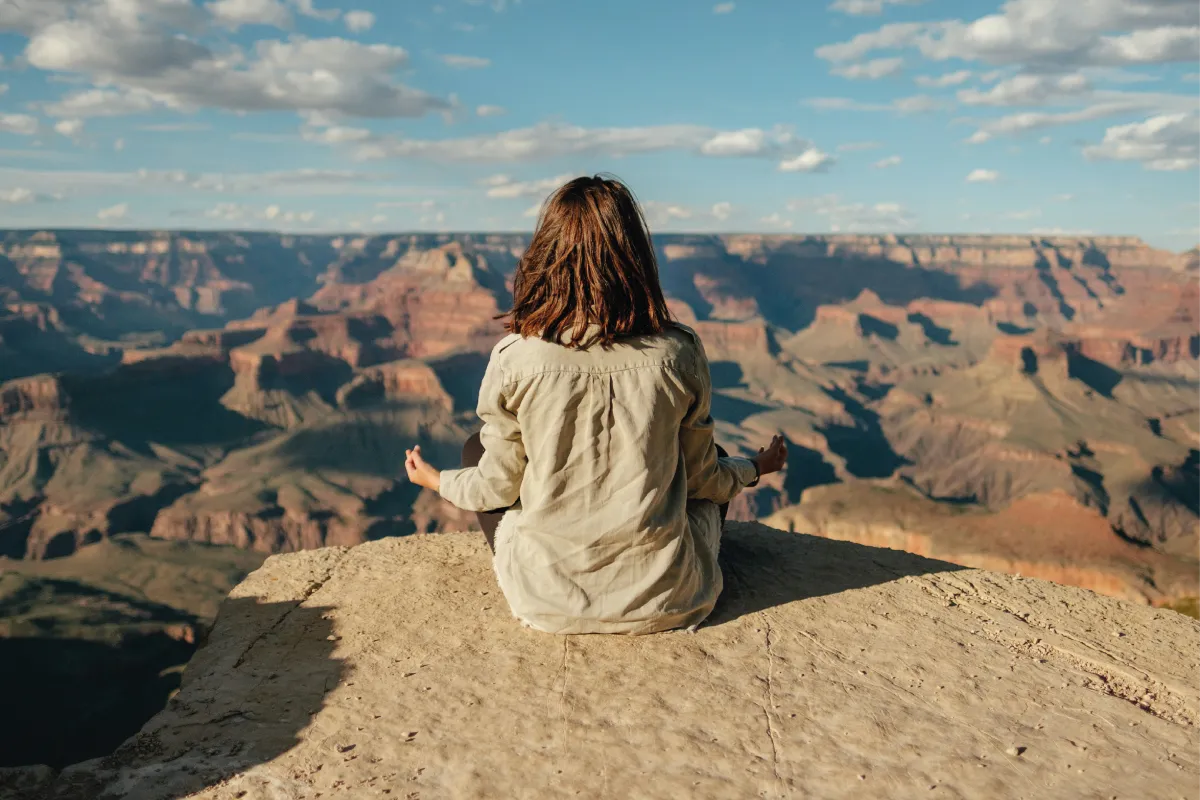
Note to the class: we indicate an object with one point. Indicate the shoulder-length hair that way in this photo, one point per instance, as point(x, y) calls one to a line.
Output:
point(589, 275)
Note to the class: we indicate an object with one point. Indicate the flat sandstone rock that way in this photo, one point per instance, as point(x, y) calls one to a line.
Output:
point(394, 669)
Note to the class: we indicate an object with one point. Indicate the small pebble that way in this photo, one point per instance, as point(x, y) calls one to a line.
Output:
point(862, 777)
point(345, 748)
point(1014, 751)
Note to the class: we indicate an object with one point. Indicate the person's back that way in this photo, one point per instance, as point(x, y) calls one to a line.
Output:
point(597, 442)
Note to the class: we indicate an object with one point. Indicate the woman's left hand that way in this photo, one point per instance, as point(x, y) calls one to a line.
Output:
point(420, 471)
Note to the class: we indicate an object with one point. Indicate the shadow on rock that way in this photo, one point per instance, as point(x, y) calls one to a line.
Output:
point(765, 567)
point(256, 687)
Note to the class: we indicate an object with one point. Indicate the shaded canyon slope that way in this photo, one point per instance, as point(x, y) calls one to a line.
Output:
point(1024, 404)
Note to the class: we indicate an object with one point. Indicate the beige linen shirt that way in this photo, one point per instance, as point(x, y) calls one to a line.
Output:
point(606, 461)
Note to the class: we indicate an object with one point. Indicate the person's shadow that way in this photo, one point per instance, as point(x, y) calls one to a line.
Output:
point(766, 567)
point(246, 697)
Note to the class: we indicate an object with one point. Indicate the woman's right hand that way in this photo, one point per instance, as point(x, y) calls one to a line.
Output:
point(772, 457)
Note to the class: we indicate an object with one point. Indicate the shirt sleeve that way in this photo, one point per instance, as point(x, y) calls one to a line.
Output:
point(495, 483)
point(709, 476)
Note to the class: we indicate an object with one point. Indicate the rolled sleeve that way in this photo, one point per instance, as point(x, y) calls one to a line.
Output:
point(709, 476)
point(495, 482)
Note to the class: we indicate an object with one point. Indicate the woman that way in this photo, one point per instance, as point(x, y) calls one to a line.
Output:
point(595, 475)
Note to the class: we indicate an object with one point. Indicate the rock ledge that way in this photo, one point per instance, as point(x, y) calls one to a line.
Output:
point(830, 669)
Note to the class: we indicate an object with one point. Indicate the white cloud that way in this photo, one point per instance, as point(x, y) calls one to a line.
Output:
point(490, 111)
point(870, 70)
point(724, 8)
point(775, 219)
point(983, 176)
point(1055, 34)
point(235, 13)
point(854, 217)
point(358, 21)
point(20, 195)
point(465, 62)
point(119, 211)
point(71, 128)
point(118, 144)
point(1045, 140)
point(978, 137)
point(1029, 213)
point(865, 7)
point(890, 161)
point(1167, 143)
point(241, 214)
point(156, 66)
point(1107, 104)
point(811, 160)
point(1064, 198)
point(20, 124)
point(307, 8)
point(915, 104)
point(554, 140)
point(1024, 90)
point(946, 79)
point(722, 211)
point(502, 186)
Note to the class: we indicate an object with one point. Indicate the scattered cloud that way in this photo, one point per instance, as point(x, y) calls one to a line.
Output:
point(21, 195)
point(870, 70)
point(233, 14)
point(1050, 34)
point(811, 160)
point(915, 104)
point(1064, 198)
point(466, 62)
point(983, 176)
point(502, 186)
point(721, 211)
point(358, 21)
point(71, 128)
point(20, 124)
point(868, 7)
point(1028, 213)
point(1024, 90)
point(554, 140)
point(112, 213)
point(854, 217)
point(118, 144)
point(306, 8)
point(175, 127)
point(946, 79)
point(243, 215)
point(1165, 143)
point(158, 66)
point(724, 8)
point(890, 161)
point(490, 111)
point(775, 219)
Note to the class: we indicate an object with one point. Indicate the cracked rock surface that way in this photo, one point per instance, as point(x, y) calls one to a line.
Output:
point(830, 669)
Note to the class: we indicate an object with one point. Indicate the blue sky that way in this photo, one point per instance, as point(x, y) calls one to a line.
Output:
point(804, 116)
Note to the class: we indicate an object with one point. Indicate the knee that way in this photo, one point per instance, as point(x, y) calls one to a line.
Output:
point(472, 450)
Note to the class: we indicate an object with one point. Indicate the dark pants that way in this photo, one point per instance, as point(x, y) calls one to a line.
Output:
point(488, 520)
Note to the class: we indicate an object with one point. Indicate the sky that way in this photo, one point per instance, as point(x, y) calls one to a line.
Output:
point(1072, 117)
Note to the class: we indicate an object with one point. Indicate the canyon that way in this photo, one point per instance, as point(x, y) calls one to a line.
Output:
point(176, 406)
point(254, 389)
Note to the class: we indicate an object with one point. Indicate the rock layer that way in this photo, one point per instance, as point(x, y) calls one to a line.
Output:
point(393, 669)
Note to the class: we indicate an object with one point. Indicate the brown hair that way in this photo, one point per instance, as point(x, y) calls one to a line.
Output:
point(590, 262)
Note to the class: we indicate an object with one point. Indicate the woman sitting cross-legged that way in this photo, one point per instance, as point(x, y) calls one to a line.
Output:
point(595, 474)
